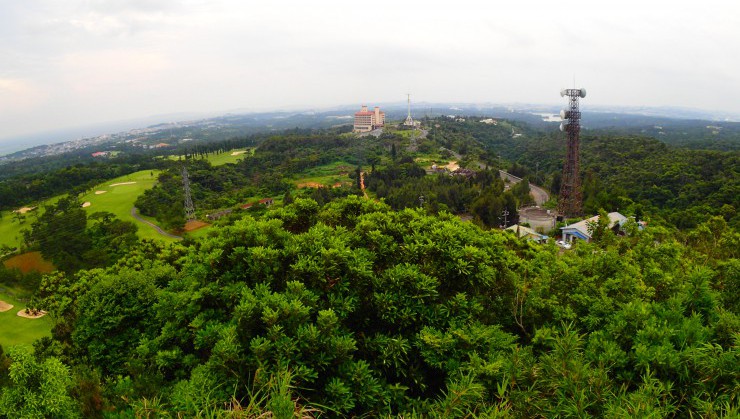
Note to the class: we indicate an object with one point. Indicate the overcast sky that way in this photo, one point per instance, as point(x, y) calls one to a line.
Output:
point(70, 63)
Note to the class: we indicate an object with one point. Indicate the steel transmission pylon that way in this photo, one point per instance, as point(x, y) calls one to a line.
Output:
point(189, 208)
point(570, 202)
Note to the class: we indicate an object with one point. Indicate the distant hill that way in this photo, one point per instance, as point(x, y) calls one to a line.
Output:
point(672, 125)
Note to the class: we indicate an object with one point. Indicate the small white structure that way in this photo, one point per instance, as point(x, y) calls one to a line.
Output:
point(528, 233)
point(580, 230)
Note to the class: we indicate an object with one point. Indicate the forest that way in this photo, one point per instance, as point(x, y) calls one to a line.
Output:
point(355, 309)
point(336, 304)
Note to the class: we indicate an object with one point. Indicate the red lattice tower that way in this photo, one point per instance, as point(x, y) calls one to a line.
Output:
point(570, 202)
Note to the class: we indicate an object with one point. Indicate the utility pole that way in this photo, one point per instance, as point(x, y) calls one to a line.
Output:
point(505, 213)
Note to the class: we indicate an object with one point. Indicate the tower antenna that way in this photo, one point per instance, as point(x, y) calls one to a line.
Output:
point(570, 202)
point(189, 208)
point(409, 122)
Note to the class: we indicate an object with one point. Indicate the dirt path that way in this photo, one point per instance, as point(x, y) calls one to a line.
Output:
point(135, 214)
point(362, 184)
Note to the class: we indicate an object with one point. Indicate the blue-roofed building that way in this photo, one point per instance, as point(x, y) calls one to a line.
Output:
point(580, 230)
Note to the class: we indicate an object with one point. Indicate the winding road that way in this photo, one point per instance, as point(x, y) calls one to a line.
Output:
point(540, 195)
point(135, 214)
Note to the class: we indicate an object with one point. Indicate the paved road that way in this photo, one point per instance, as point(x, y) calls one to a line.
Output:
point(135, 214)
point(540, 195)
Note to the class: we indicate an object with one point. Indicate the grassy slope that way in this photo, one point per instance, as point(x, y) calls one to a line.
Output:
point(328, 174)
point(120, 199)
point(224, 158)
point(10, 230)
point(16, 330)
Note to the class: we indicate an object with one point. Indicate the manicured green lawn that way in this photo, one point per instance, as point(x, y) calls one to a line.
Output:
point(231, 156)
point(119, 199)
point(15, 330)
point(10, 229)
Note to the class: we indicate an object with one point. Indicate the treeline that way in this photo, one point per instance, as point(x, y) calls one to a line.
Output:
point(353, 309)
point(265, 173)
point(481, 194)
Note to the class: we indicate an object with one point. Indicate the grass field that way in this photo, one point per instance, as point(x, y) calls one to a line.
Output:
point(328, 175)
point(15, 330)
point(28, 262)
point(10, 229)
point(231, 156)
point(119, 199)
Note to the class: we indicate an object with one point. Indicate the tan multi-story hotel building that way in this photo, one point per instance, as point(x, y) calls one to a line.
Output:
point(368, 120)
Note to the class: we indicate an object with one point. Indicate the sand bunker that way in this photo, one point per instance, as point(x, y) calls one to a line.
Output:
point(123, 183)
point(29, 314)
point(25, 209)
point(5, 306)
point(86, 204)
point(100, 192)
point(452, 166)
point(236, 153)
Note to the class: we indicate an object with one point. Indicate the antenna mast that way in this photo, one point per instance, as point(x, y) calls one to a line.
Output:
point(409, 122)
point(189, 208)
point(570, 202)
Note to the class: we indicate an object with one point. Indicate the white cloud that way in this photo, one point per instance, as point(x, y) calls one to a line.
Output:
point(17, 95)
point(94, 60)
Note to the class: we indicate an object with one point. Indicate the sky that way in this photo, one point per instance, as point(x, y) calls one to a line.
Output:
point(80, 62)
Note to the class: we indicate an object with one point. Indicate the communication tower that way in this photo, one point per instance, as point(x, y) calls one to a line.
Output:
point(570, 202)
point(189, 208)
point(409, 122)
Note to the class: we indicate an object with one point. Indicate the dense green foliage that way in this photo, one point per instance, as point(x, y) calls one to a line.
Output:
point(72, 240)
point(355, 309)
point(342, 305)
point(406, 185)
